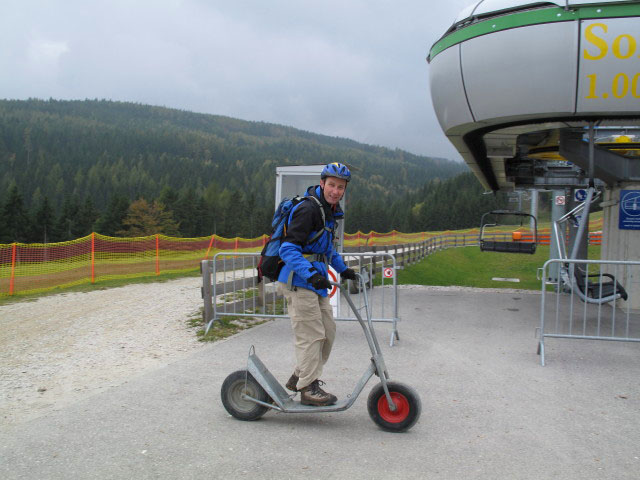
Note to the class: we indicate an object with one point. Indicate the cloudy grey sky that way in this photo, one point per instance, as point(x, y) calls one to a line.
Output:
point(351, 68)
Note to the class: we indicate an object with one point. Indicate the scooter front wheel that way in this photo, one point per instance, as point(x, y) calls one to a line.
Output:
point(406, 400)
point(234, 386)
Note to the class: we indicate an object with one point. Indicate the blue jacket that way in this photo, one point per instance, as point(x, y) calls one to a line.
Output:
point(305, 220)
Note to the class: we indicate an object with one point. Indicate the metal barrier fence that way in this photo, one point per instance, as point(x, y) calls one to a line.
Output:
point(230, 288)
point(238, 293)
point(588, 306)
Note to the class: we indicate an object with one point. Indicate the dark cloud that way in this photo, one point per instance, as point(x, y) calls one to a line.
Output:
point(353, 69)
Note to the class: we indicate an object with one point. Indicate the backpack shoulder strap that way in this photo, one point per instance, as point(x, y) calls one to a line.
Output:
point(324, 220)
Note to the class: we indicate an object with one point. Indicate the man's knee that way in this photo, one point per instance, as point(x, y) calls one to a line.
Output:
point(330, 329)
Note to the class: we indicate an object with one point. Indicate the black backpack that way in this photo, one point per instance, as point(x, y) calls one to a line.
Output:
point(270, 262)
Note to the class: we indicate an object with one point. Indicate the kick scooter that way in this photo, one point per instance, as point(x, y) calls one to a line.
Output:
point(249, 394)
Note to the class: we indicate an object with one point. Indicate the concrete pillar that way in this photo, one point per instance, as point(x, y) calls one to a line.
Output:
point(621, 244)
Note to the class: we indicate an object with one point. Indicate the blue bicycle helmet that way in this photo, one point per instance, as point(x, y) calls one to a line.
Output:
point(337, 170)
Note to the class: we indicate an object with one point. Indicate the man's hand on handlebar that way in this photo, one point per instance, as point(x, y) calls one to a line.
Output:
point(319, 282)
point(349, 274)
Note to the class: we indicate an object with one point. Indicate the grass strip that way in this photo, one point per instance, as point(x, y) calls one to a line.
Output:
point(469, 267)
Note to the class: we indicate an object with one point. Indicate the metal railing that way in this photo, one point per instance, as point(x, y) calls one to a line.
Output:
point(409, 253)
point(383, 299)
point(590, 309)
point(230, 288)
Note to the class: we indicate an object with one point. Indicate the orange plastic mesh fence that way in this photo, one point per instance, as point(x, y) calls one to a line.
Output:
point(37, 267)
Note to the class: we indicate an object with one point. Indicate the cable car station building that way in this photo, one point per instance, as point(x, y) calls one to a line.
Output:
point(546, 96)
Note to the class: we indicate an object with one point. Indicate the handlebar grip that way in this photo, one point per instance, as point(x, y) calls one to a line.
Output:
point(337, 284)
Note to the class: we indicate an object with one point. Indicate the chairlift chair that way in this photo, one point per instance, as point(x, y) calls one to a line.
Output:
point(574, 277)
point(598, 291)
point(516, 245)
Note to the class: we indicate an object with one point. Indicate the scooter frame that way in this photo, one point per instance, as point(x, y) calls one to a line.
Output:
point(285, 403)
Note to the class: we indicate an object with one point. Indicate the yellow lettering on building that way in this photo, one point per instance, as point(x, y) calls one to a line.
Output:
point(631, 46)
point(635, 91)
point(592, 86)
point(620, 85)
point(592, 38)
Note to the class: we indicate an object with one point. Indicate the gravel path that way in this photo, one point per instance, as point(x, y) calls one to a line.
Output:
point(61, 348)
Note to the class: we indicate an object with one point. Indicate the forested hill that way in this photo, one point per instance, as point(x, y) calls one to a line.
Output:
point(212, 173)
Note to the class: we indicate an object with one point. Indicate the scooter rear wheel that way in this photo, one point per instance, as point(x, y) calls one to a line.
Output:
point(406, 400)
point(232, 390)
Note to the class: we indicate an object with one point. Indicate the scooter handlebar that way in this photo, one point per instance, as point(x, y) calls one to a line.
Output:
point(340, 286)
point(368, 325)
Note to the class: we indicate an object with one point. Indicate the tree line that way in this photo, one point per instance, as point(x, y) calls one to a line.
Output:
point(451, 204)
point(184, 214)
point(73, 167)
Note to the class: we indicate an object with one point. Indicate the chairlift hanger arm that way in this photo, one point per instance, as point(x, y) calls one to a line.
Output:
point(509, 212)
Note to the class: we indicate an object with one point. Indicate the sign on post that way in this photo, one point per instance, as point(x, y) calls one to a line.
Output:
point(580, 195)
point(629, 218)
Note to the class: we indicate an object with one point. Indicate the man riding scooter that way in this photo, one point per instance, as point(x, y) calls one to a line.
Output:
point(303, 281)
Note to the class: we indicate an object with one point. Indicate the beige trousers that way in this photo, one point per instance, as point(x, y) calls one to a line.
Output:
point(314, 331)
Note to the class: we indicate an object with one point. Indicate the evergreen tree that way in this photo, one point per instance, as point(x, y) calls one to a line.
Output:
point(453, 204)
point(206, 215)
point(87, 216)
point(202, 218)
point(3, 228)
point(186, 214)
point(222, 224)
point(237, 221)
point(44, 222)
point(111, 221)
point(67, 221)
point(16, 223)
point(251, 214)
point(169, 198)
point(212, 216)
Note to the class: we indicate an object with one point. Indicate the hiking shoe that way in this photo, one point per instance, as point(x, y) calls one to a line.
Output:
point(312, 394)
point(292, 384)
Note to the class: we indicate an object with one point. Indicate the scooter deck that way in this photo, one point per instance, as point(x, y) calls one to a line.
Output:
point(279, 395)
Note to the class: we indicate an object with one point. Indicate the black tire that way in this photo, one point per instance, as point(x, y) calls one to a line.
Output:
point(406, 400)
point(231, 392)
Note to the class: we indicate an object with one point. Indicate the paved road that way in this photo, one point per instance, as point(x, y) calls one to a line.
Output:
point(490, 411)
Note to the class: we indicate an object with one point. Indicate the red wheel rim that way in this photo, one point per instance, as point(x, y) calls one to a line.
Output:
point(402, 408)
